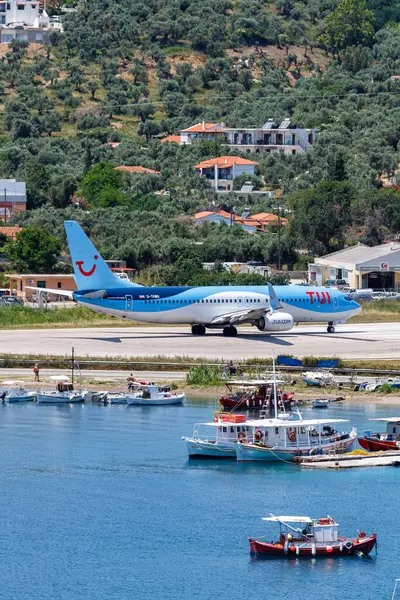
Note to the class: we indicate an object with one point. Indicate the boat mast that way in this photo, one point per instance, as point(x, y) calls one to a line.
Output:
point(274, 376)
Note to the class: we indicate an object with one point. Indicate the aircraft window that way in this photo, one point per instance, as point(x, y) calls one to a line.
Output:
point(219, 301)
point(348, 298)
point(231, 300)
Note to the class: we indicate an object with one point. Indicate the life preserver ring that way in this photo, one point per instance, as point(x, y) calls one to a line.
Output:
point(291, 436)
point(258, 436)
point(348, 545)
point(241, 435)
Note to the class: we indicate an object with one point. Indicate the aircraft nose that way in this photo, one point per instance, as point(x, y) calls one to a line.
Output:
point(356, 307)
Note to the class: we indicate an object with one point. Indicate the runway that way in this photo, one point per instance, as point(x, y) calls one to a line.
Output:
point(356, 341)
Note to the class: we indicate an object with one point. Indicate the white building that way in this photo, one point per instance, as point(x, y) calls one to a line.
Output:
point(283, 137)
point(19, 11)
point(376, 267)
point(221, 171)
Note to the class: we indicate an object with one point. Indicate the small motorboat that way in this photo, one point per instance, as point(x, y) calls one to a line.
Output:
point(319, 378)
point(153, 395)
point(385, 440)
point(63, 394)
point(321, 403)
point(16, 392)
point(116, 398)
point(311, 538)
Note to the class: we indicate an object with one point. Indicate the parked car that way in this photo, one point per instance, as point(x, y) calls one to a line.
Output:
point(10, 301)
point(358, 294)
point(338, 283)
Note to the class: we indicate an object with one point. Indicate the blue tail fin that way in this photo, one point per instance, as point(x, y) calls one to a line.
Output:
point(90, 270)
point(273, 298)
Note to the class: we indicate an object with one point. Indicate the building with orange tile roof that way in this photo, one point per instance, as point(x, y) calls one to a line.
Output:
point(10, 232)
point(220, 172)
point(252, 224)
point(274, 136)
point(171, 138)
point(142, 170)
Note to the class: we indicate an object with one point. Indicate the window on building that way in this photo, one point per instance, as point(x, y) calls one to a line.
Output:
point(41, 284)
point(59, 285)
point(20, 7)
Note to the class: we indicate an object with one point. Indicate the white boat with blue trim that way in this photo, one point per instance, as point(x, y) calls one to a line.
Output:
point(153, 395)
point(63, 394)
point(16, 392)
point(277, 440)
point(216, 439)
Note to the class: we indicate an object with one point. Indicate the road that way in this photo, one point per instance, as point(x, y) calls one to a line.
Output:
point(357, 341)
point(103, 375)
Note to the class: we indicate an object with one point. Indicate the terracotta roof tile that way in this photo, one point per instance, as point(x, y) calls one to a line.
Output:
point(225, 162)
point(202, 127)
point(143, 170)
point(171, 138)
point(10, 231)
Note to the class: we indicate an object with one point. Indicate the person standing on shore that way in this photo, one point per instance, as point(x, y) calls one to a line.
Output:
point(36, 371)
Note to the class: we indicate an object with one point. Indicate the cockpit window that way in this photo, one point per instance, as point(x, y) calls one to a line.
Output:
point(348, 298)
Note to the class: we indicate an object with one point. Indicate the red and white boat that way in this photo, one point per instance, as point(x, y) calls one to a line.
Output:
point(254, 393)
point(385, 440)
point(311, 538)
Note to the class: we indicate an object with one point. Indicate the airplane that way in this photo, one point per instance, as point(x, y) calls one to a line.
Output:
point(269, 308)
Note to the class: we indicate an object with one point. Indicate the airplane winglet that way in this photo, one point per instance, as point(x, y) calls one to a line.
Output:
point(273, 298)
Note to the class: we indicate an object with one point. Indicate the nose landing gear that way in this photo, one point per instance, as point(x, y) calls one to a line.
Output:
point(330, 328)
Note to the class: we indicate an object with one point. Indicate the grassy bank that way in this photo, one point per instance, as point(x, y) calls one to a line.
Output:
point(378, 311)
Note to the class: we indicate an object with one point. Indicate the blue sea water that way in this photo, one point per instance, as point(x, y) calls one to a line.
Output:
point(100, 502)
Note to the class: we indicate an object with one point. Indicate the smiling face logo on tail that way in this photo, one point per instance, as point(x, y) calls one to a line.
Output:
point(79, 264)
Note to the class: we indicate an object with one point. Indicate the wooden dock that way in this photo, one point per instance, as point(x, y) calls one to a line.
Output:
point(348, 461)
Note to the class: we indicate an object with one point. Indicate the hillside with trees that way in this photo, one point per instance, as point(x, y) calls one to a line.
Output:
point(135, 72)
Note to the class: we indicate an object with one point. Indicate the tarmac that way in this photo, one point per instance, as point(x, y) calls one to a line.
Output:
point(356, 341)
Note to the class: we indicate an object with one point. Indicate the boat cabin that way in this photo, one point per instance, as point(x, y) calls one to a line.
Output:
point(63, 386)
point(291, 433)
point(226, 427)
point(392, 429)
point(304, 528)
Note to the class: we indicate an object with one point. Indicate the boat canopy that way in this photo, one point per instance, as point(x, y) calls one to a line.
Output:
point(388, 419)
point(288, 423)
point(286, 519)
point(253, 381)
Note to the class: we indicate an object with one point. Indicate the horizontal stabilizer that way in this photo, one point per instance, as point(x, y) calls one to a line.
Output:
point(58, 292)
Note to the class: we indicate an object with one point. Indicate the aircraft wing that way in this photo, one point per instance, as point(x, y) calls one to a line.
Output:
point(51, 291)
point(247, 315)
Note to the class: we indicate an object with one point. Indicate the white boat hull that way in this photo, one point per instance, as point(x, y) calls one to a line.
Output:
point(161, 401)
point(257, 452)
point(204, 449)
point(61, 399)
point(22, 398)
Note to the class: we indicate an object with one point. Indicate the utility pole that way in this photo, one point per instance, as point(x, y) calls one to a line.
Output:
point(5, 205)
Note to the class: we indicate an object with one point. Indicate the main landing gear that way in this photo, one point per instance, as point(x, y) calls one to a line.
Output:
point(330, 328)
point(230, 331)
point(198, 330)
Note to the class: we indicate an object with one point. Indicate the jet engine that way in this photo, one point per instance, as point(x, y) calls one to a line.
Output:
point(275, 322)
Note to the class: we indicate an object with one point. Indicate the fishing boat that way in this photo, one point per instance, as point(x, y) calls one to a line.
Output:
point(16, 392)
point(153, 395)
point(254, 393)
point(321, 403)
point(63, 394)
point(217, 438)
point(385, 440)
point(319, 378)
point(276, 439)
point(305, 537)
